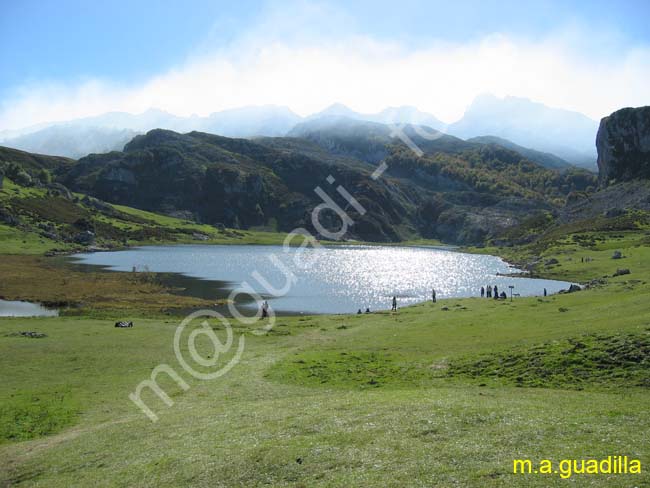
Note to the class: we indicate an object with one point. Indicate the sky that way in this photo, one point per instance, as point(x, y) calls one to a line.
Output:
point(67, 59)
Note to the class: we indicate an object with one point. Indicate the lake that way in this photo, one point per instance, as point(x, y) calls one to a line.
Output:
point(10, 308)
point(336, 279)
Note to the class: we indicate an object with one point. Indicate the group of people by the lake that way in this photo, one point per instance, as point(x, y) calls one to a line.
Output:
point(493, 292)
point(486, 292)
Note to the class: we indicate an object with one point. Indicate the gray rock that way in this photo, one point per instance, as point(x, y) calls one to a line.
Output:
point(121, 175)
point(617, 255)
point(97, 204)
point(59, 189)
point(50, 235)
point(614, 212)
point(621, 272)
point(30, 334)
point(86, 238)
point(623, 144)
point(8, 218)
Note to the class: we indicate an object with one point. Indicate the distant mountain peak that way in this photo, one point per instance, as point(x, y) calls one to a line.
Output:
point(338, 110)
point(567, 134)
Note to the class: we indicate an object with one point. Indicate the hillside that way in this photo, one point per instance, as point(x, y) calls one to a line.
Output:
point(32, 162)
point(622, 200)
point(547, 160)
point(457, 191)
point(48, 218)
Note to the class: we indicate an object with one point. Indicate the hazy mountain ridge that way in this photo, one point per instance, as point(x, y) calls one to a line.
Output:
point(73, 142)
point(547, 160)
point(463, 193)
point(368, 141)
point(567, 135)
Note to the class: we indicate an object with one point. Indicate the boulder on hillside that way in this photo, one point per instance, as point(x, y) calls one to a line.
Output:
point(85, 238)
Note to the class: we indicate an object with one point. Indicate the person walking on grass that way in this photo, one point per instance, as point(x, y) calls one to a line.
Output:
point(482, 292)
point(433, 295)
point(394, 309)
point(489, 292)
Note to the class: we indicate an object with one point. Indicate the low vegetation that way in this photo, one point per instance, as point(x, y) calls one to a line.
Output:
point(34, 220)
point(611, 360)
point(99, 293)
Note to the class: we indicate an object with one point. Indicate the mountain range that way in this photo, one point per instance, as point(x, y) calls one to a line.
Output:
point(569, 136)
point(465, 192)
point(456, 191)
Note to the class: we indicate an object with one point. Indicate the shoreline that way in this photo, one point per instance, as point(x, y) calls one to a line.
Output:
point(221, 288)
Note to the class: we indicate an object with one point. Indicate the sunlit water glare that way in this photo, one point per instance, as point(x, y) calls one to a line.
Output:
point(339, 279)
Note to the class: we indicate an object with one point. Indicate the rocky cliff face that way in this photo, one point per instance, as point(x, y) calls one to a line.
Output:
point(457, 192)
point(623, 144)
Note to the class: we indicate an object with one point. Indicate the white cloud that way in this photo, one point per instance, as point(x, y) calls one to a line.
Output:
point(308, 73)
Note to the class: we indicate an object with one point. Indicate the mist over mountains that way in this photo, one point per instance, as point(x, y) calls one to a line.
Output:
point(569, 135)
point(517, 123)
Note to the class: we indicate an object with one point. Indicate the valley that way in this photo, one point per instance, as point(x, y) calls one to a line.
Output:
point(321, 400)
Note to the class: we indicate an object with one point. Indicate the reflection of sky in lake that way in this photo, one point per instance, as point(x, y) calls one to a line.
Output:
point(24, 309)
point(338, 279)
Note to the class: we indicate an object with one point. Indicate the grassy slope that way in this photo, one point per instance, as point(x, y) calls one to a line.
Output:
point(136, 227)
point(360, 400)
point(98, 293)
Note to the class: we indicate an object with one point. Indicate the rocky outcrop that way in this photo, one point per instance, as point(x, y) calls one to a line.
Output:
point(457, 194)
point(623, 144)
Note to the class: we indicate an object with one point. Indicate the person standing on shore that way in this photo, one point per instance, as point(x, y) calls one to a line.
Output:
point(433, 295)
point(482, 292)
point(394, 309)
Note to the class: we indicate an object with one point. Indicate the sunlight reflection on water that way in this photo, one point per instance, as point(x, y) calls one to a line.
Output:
point(338, 279)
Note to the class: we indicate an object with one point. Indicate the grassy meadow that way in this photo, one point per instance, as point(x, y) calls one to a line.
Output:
point(444, 394)
point(115, 225)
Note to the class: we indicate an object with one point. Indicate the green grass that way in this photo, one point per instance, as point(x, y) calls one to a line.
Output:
point(16, 241)
point(25, 417)
point(421, 397)
point(592, 360)
point(114, 228)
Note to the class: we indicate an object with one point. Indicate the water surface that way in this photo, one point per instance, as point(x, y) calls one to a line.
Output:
point(339, 279)
point(25, 309)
